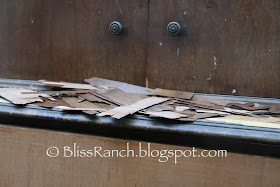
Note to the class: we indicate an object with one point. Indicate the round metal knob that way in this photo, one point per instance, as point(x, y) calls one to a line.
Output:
point(173, 28)
point(115, 27)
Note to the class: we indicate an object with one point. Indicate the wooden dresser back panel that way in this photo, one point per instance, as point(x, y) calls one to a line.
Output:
point(225, 47)
point(70, 40)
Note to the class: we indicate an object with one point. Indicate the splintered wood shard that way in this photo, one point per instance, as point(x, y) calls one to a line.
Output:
point(129, 88)
point(122, 98)
point(205, 115)
point(247, 106)
point(15, 96)
point(122, 111)
point(93, 98)
point(206, 99)
point(275, 109)
point(73, 101)
point(159, 108)
point(51, 104)
point(68, 85)
point(172, 93)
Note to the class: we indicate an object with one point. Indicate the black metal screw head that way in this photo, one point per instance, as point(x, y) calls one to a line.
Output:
point(115, 27)
point(173, 28)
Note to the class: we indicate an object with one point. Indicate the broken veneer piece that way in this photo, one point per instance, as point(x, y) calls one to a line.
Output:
point(16, 96)
point(68, 85)
point(123, 111)
point(92, 98)
point(119, 97)
point(125, 87)
point(73, 101)
point(274, 109)
point(247, 106)
point(51, 104)
point(159, 108)
point(172, 93)
point(63, 92)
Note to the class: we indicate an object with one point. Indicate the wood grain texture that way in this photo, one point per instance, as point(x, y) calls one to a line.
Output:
point(70, 40)
point(24, 162)
point(224, 46)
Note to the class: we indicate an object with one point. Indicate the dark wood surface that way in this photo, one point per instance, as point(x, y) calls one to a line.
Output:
point(241, 37)
point(70, 41)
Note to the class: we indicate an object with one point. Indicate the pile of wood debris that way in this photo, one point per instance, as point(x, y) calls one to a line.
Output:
point(104, 97)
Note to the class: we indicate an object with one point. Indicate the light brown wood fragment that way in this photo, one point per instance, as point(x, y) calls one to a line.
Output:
point(68, 85)
point(200, 104)
point(15, 95)
point(80, 99)
point(275, 109)
point(172, 93)
point(73, 101)
point(118, 96)
point(63, 92)
point(93, 98)
point(50, 104)
point(197, 115)
point(122, 111)
point(205, 99)
point(159, 108)
point(186, 119)
point(129, 88)
point(204, 115)
point(189, 113)
point(210, 106)
point(237, 111)
point(246, 106)
point(105, 98)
